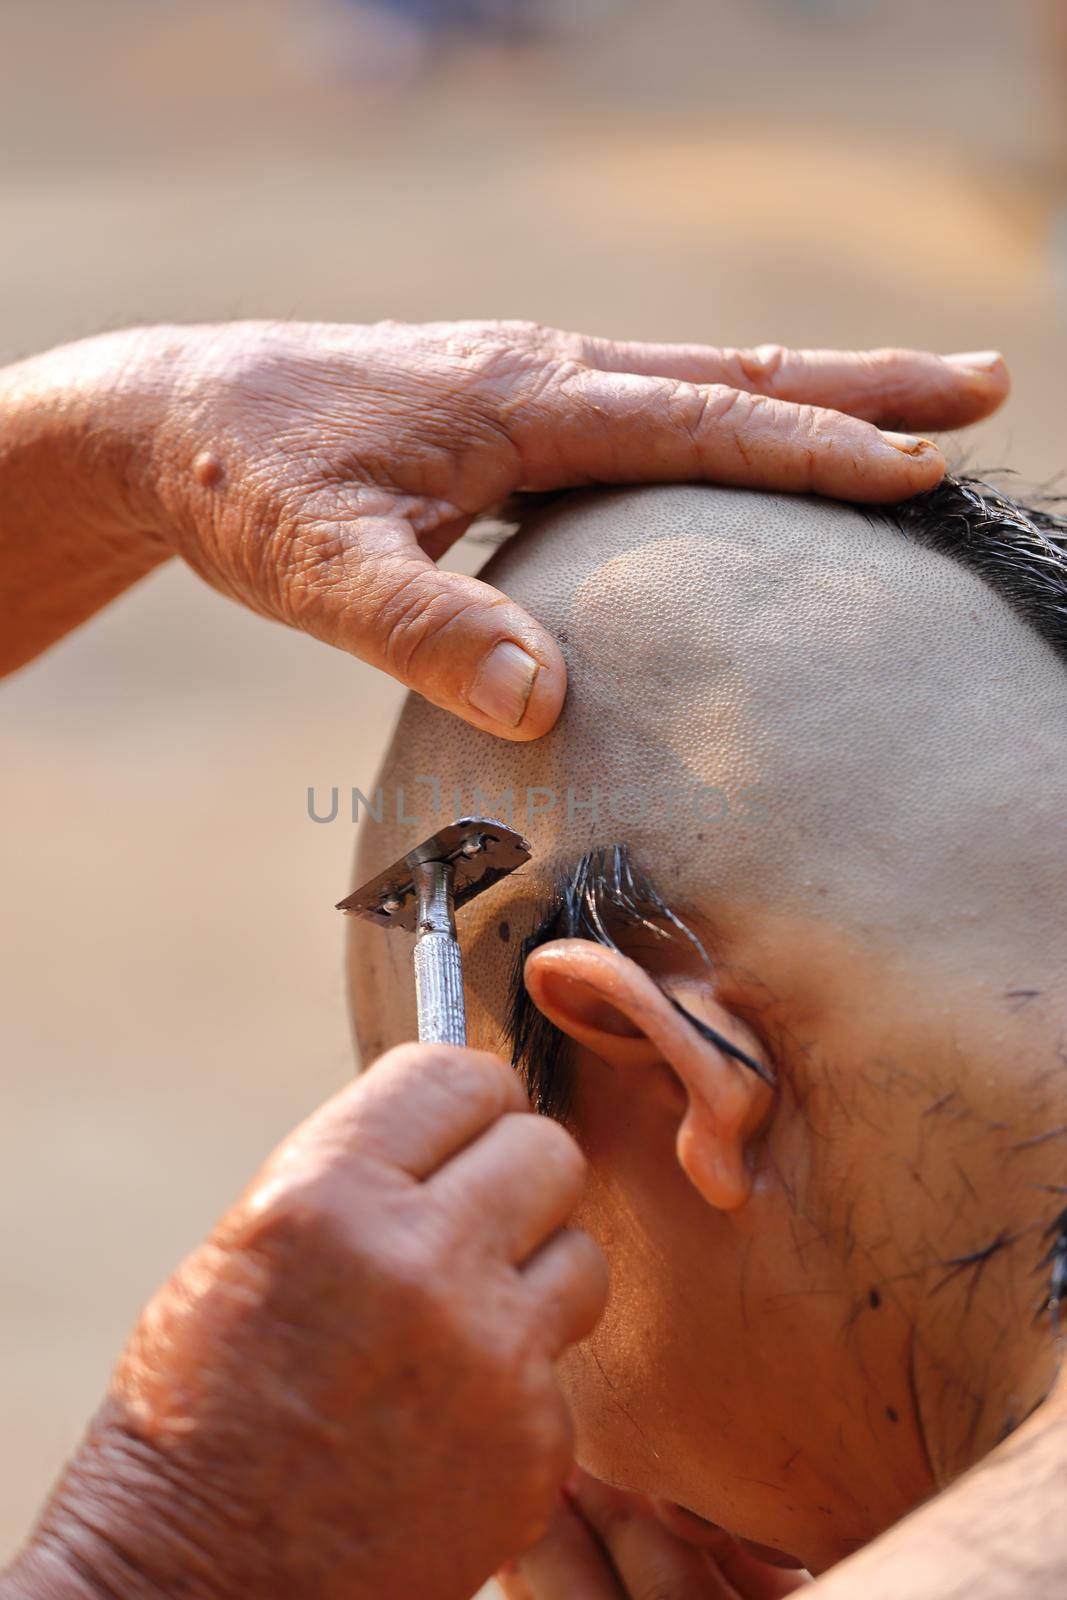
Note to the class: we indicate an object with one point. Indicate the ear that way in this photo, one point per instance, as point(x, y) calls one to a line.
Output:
point(609, 1005)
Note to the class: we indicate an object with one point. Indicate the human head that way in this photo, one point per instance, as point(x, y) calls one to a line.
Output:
point(837, 754)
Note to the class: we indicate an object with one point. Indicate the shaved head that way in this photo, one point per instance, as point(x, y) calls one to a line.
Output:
point(783, 706)
point(838, 757)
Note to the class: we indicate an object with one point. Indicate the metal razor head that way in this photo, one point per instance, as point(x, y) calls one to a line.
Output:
point(479, 850)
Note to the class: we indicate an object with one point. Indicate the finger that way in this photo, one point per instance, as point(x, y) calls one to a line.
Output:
point(753, 1577)
point(567, 1282)
point(513, 1585)
point(417, 1106)
point(451, 638)
point(898, 388)
point(568, 1563)
point(590, 426)
point(647, 1558)
point(514, 1187)
point(757, 1580)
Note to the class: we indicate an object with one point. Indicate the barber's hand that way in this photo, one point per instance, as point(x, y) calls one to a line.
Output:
point(349, 1390)
point(316, 472)
point(604, 1544)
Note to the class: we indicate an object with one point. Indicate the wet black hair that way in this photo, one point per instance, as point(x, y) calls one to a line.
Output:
point(1019, 549)
point(603, 897)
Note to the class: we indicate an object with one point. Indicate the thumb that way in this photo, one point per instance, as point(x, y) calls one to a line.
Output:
point(454, 639)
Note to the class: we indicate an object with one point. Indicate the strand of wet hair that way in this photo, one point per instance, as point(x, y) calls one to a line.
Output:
point(605, 889)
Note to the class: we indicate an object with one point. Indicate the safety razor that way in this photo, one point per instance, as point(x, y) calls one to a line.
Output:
point(421, 894)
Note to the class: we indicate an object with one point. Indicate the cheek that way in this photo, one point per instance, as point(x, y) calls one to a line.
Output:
point(620, 1382)
point(650, 1388)
point(673, 1394)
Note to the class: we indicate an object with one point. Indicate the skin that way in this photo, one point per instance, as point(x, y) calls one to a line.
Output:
point(803, 1340)
point(996, 1534)
point(316, 472)
point(265, 1432)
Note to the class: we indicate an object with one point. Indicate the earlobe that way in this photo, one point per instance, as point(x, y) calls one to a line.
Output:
point(714, 1134)
point(609, 1005)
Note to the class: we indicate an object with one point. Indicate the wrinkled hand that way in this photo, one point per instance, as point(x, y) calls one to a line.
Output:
point(604, 1544)
point(350, 1389)
point(316, 472)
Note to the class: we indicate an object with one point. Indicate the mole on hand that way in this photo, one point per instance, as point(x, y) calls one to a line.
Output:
point(207, 469)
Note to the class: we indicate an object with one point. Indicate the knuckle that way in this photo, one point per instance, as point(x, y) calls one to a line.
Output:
point(580, 349)
point(410, 1278)
point(810, 434)
point(469, 1076)
point(294, 1216)
point(559, 381)
point(687, 407)
point(888, 357)
point(489, 1087)
point(890, 372)
point(415, 1062)
point(699, 409)
point(389, 328)
point(408, 1266)
point(414, 613)
point(526, 331)
point(727, 406)
point(817, 429)
point(491, 355)
point(457, 1074)
point(761, 368)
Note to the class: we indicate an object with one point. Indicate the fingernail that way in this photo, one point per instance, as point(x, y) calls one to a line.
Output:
point(980, 361)
point(908, 443)
point(502, 688)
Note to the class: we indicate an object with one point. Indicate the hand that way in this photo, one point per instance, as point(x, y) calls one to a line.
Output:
point(317, 472)
point(604, 1544)
point(349, 1390)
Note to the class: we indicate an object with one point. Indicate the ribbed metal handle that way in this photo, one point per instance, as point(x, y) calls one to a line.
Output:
point(439, 990)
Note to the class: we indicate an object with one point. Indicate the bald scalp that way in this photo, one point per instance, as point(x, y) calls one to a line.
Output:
point(776, 702)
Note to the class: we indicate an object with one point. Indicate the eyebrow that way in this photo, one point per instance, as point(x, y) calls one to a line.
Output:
point(605, 889)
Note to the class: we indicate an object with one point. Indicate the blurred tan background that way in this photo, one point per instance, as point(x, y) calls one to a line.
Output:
point(850, 173)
